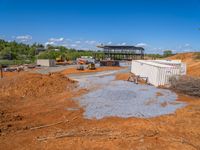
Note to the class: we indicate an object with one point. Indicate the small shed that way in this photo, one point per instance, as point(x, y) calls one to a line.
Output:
point(46, 62)
point(156, 73)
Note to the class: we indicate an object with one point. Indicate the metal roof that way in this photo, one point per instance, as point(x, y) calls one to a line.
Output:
point(153, 64)
point(120, 47)
point(171, 62)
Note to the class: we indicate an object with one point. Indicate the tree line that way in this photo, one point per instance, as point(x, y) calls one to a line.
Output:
point(20, 53)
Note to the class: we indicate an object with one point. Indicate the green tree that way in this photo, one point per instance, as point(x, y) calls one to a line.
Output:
point(167, 53)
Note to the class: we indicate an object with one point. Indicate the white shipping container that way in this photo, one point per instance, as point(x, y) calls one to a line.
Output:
point(176, 63)
point(46, 62)
point(157, 74)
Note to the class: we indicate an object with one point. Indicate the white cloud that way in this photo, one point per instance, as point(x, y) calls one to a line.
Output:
point(141, 45)
point(109, 43)
point(73, 45)
point(65, 45)
point(78, 42)
point(90, 42)
point(50, 43)
point(56, 39)
point(123, 44)
point(23, 38)
point(186, 45)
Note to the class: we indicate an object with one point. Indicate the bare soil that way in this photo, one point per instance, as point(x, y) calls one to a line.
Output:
point(99, 69)
point(33, 118)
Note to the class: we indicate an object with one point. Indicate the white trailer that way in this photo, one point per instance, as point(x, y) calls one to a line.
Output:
point(177, 63)
point(46, 62)
point(157, 74)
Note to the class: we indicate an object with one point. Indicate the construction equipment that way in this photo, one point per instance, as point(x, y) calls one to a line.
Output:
point(85, 59)
point(80, 66)
point(91, 66)
point(60, 60)
point(81, 61)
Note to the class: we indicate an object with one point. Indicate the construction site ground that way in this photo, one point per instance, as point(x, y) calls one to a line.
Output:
point(38, 111)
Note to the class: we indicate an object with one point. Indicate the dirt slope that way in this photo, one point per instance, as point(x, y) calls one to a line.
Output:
point(193, 64)
point(26, 99)
point(35, 85)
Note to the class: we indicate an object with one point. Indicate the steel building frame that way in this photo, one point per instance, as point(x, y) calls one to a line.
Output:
point(122, 52)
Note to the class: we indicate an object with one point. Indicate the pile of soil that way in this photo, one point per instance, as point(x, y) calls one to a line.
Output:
point(28, 99)
point(193, 64)
point(33, 85)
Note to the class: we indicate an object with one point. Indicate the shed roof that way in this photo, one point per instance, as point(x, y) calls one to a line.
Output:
point(153, 64)
point(120, 47)
point(172, 62)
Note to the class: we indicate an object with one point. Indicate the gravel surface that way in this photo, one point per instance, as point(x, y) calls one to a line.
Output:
point(109, 97)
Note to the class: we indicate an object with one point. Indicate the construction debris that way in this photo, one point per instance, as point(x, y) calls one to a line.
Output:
point(185, 84)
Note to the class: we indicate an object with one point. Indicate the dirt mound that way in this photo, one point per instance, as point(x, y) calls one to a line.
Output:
point(33, 85)
point(193, 64)
point(184, 56)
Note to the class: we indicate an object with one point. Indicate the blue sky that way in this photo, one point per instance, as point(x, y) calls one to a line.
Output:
point(82, 24)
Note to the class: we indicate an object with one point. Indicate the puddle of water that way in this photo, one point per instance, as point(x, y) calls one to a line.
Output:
point(123, 99)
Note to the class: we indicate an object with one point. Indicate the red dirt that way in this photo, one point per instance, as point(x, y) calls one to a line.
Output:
point(18, 115)
point(74, 70)
point(34, 85)
point(122, 76)
point(125, 77)
point(176, 131)
point(9, 74)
